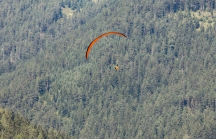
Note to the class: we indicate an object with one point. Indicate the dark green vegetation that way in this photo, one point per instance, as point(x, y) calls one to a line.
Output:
point(13, 126)
point(166, 86)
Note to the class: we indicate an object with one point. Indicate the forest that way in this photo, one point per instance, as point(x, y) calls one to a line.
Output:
point(14, 126)
point(165, 86)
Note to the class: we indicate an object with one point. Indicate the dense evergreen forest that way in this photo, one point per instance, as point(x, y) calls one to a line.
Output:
point(13, 126)
point(166, 85)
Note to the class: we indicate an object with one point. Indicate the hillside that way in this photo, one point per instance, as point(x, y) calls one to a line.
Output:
point(14, 126)
point(166, 84)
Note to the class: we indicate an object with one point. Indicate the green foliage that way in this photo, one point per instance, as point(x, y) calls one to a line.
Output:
point(14, 126)
point(165, 87)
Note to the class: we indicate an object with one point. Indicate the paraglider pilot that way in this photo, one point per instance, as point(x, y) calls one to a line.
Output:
point(116, 67)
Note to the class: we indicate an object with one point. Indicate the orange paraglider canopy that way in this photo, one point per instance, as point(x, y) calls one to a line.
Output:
point(98, 38)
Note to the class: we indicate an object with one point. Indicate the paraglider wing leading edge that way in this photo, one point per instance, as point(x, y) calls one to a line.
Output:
point(98, 38)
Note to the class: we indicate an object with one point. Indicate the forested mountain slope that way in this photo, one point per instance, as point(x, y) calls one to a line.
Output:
point(16, 127)
point(165, 87)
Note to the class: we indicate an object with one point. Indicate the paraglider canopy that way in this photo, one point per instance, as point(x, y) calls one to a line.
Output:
point(98, 38)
